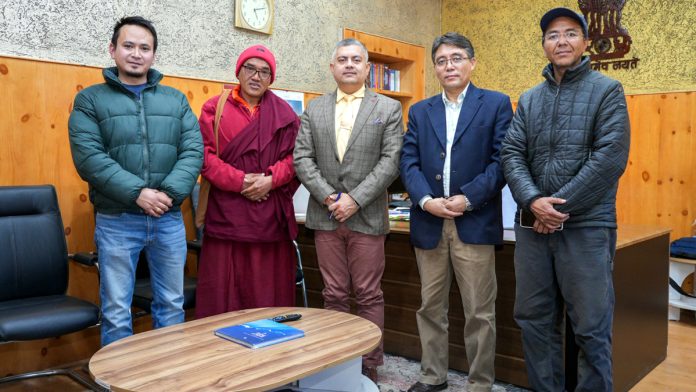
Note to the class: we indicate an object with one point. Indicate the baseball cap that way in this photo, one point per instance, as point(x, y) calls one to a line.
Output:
point(561, 11)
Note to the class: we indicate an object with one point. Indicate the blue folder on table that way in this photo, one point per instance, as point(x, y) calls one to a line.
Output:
point(259, 333)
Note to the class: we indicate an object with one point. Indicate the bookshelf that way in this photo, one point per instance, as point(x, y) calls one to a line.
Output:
point(407, 58)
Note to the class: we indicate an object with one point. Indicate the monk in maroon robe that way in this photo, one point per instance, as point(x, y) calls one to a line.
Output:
point(248, 259)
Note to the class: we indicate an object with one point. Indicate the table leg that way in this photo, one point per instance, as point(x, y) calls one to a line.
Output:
point(346, 377)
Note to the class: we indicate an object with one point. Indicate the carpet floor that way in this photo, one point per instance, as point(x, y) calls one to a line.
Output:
point(398, 374)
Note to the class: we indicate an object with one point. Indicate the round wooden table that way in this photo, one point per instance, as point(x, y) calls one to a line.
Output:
point(189, 357)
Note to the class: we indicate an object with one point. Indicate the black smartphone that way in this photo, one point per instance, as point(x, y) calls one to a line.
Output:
point(527, 220)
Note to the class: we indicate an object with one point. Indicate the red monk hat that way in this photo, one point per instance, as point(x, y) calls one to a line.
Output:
point(258, 51)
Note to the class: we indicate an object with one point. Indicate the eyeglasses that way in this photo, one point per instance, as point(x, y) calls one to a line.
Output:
point(569, 35)
point(455, 60)
point(250, 71)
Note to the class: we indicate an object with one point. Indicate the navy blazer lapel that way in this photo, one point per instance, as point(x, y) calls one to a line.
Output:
point(368, 104)
point(471, 105)
point(438, 119)
point(330, 120)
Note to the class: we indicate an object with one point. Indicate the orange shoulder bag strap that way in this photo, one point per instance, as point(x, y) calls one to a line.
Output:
point(205, 184)
point(218, 113)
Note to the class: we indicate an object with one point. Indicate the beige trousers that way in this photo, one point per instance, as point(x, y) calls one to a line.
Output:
point(474, 269)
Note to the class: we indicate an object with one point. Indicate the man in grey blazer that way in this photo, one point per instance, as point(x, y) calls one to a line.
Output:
point(346, 154)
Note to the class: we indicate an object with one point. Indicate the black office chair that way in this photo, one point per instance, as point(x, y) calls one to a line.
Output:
point(299, 274)
point(34, 275)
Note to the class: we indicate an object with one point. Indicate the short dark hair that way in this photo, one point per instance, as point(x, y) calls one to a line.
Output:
point(138, 21)
point(454, 39)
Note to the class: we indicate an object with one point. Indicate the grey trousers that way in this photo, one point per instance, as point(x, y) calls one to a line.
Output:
point(571, 268)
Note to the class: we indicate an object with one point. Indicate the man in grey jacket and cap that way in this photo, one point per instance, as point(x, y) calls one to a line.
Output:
point(562, 157)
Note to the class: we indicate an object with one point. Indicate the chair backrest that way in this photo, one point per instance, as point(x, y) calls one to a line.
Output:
point(33, 251)
point(195, 195)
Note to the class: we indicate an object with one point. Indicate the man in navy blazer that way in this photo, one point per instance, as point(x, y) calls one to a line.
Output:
point(450, 165)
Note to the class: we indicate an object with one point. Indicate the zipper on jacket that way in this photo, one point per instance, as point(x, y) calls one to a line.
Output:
point(143, 132)
point(552, 131)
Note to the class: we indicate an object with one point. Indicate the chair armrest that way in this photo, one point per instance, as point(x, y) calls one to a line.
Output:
point(194, 245)
point(89, 259)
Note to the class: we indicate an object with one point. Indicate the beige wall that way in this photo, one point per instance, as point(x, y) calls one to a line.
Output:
point(507, 40)
point(198, 39)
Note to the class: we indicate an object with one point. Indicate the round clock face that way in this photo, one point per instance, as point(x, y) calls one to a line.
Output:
point(256, 13)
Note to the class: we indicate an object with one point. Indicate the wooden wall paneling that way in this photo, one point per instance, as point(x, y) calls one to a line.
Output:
point(659, 184)
point(676, 163)
point(634, 201)
point(5, 123)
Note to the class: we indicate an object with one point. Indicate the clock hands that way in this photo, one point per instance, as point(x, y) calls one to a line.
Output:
point(258, 9)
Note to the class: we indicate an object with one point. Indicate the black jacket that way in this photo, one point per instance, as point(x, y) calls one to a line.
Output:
point(570, 140)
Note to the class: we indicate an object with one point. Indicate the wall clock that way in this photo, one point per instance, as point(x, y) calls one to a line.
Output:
point(254, 15)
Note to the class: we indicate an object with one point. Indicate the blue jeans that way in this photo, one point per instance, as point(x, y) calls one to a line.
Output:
point(572, 267)
point(120, 238)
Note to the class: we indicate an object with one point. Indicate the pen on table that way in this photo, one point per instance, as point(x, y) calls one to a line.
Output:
point(338, 196)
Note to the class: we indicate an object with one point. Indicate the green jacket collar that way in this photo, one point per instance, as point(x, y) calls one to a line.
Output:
point(111, 78)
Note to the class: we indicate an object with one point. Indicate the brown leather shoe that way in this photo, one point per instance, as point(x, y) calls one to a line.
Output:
point(370, 372)
point(421, 387)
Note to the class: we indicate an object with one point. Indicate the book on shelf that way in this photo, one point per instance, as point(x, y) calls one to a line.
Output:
point(259, 333)
point(400, 214)
point(384, 78)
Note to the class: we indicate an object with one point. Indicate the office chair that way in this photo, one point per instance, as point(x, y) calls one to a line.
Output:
point(299, 273)
point(34, 275)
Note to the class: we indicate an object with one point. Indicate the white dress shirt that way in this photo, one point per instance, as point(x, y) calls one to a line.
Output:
point(452, 110)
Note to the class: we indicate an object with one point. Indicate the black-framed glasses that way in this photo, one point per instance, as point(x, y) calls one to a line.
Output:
point(455, 60)
point(250, 71)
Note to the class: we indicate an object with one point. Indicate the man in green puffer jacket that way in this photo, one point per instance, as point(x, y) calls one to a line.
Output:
point(562, 157)
point(139, 147)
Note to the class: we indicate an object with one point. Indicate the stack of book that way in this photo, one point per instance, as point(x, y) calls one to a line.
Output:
point(384, 78)
point(400, 214)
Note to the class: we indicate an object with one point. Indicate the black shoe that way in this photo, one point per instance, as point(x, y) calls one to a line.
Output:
point(421, 387)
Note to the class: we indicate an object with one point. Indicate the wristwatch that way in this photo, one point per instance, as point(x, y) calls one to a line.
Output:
point(469, 207)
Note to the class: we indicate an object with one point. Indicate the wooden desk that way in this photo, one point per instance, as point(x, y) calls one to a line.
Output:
point(189, 357)
point(640, 316)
